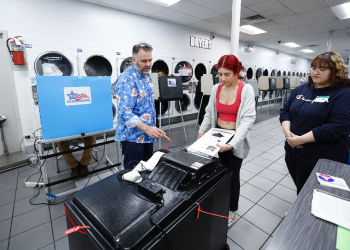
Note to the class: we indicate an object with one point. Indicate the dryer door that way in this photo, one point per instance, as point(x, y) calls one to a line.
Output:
point(53, 63)
point(97, 65)
point(185, 70)
point(160, 67)
point(199, 71)
point(125, 64)
point(185, 103)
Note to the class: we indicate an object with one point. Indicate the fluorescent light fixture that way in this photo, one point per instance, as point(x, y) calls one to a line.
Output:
point(342, 11)
point(164, 3)
point(251, 30)
point(307, 51)
point(292, 45)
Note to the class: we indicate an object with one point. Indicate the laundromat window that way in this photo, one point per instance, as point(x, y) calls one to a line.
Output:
point(97, 65)
point(279, 73)
point(53, 64)
point(199, 71)
point(259, 72)
point(185, 70)
point(266, 72)
point(249, 73)
point(161, 68)
point(126, 63)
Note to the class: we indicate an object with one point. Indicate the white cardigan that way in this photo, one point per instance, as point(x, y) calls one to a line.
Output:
point(245, 119)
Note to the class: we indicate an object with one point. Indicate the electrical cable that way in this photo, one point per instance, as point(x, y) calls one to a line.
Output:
point(170, 246)
point(56, 203)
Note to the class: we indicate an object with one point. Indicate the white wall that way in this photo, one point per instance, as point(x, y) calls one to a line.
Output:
point(64, 26)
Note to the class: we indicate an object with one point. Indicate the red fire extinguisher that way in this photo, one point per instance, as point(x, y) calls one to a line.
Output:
point(16, 50)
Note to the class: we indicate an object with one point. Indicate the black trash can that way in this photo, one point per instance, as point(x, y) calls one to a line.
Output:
point(120, 217)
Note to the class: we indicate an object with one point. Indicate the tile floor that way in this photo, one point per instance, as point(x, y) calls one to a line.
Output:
point(267, 192)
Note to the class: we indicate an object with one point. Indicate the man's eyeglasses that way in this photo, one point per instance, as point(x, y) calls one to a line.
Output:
point(321, 70)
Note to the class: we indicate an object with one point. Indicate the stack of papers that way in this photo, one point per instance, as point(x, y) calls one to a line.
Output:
point(331, 208)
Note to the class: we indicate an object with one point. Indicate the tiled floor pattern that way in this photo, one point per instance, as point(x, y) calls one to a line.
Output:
point(267, 192)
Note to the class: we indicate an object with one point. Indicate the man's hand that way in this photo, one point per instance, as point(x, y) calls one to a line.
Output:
point(155, 132)
point(224, 147)
point(294, 141)
point(200, 135)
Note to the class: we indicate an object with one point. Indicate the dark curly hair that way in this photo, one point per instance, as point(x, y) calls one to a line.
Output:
point(339, 72)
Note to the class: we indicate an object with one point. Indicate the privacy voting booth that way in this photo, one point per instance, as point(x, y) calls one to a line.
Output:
point(72, 105)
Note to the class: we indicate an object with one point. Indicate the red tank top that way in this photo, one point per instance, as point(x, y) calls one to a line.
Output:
point(228, 113)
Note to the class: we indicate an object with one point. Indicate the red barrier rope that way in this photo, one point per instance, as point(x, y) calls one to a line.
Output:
point(199, 210)
point(75, 228)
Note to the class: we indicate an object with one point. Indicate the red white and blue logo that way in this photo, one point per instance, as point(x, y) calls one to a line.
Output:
point(325, 177)
point(77, 95)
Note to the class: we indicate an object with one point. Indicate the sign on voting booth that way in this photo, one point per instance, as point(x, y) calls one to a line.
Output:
point(70, 105)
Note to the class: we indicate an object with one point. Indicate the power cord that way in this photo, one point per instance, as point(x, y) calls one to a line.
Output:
point(170, 246)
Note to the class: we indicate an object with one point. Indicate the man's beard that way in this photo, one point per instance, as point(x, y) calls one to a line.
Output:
point(144, 70)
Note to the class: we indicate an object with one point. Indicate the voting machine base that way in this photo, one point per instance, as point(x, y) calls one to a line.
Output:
point(119, 217)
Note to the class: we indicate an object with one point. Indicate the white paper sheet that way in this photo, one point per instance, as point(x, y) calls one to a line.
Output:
point(206, 145)
point(331, 181)
point(331, 208)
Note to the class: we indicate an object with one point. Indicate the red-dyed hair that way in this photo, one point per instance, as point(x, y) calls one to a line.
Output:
point(230, 62)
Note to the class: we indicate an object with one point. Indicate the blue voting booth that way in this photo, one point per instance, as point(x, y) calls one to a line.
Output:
point(71, 105)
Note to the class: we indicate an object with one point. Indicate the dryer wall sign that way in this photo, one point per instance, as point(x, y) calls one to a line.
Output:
point(200, 42)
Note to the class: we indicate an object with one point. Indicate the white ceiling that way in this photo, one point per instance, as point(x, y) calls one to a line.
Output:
point(305, 22)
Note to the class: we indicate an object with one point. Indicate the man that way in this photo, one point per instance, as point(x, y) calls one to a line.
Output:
point(76, 166)
point(136, 128)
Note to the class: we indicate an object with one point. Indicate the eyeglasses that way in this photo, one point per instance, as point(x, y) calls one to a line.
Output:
point(321, 70)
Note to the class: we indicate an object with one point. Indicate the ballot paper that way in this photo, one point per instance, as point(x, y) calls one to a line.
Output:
point(331, 208)
point(331, 181)
point(150, 164)
point(206, 145)
point(132, 176)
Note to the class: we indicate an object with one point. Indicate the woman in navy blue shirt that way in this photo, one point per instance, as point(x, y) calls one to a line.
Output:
point(316, 118)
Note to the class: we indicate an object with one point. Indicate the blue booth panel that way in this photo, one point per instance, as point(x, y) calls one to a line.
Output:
point(70, 105)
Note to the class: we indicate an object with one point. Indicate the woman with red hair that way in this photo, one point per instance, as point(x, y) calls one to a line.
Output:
point(231, 106)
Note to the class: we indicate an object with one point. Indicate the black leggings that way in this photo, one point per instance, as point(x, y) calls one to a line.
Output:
point(299, 170)
point(233, 165)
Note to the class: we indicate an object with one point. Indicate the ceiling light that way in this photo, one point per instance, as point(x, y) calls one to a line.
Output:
point(307, 51)
point(164, 3)
point(251, 30)
point(342, 11)
point(292, 45)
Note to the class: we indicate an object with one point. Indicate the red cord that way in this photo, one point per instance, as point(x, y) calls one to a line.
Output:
point(70, 218)
point(199, 210)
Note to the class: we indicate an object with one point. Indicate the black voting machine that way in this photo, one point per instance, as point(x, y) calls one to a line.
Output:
point(121, 217)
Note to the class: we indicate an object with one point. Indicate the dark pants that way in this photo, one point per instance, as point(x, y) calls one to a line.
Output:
point(233, 165)
point(299, 170)
point(135, 152)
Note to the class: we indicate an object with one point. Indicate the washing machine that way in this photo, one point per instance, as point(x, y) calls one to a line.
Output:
point(284, 73)
point(250, 72)
point(184, 69)
point(279, 73)
point(199, 71)
point(44, 58)
point(273, 73)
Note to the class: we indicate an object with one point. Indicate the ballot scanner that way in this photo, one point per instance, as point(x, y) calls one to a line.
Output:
point(121, 217)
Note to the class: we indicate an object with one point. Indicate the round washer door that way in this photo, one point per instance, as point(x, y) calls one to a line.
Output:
point(266, 72)
point(259, 72)
point(293, 74)
point(279, 73)
point(249, 73)
point(185, 69)
point(214, 71)
point(125, 64)
point(160, 66)
point(53, 63)
point(273, 72)
point(165, 107)
point(185, 103)
point(199, 71)
point(97, 65)
point(284, 73)
point(288, 73)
